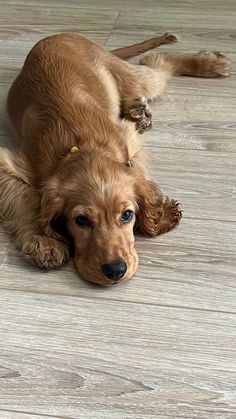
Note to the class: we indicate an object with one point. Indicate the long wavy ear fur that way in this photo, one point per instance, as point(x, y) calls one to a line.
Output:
point(59, 226)
point(52, 220)
point(51, 208)
point(150, 207)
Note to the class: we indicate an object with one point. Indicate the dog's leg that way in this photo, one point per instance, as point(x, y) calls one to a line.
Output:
point(19, 206)
point(137, 49)
point(136, 97)
point(137, 86)
point(201, 64)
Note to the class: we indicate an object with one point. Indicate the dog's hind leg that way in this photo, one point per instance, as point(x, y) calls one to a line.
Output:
point(137, 86)
point(200, 64)
point(125, 53)
point(19, 206)
point(151, 84)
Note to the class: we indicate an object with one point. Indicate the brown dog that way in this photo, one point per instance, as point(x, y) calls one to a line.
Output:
point(76, 109)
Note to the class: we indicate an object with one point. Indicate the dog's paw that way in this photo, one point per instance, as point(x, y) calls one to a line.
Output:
point(213, 64)
point(45, 252)
point(138, 111)
point(169, 38)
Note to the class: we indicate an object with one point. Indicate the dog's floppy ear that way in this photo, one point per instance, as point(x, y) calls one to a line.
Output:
point(52, 220)
point(150, 207)
point(59, 226)
point(51, 207)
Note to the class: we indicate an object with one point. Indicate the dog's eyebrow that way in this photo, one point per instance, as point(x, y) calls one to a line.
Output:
point(125, 205)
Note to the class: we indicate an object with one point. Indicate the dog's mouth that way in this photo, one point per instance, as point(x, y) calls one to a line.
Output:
point(98, 279)
point(112, 283)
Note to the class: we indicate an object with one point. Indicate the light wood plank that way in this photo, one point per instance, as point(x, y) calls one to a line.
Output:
point(128, 379)
point(194, 121)
point(221, 87)
point(10, 414)
point(211, 7)
point(87, 20)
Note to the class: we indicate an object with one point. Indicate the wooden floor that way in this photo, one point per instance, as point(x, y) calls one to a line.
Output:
point(164, 344)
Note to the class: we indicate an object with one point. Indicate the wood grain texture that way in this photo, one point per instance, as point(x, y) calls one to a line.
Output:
point(163, 344)
point(213, 7)
point(12, 414)
point(79, 361)
point(212, 31)
point(85, 20)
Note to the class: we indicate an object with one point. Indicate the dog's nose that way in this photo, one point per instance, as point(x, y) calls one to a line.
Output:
point(114, 270)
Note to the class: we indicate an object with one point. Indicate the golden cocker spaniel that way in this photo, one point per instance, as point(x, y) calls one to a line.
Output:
point(80, 179)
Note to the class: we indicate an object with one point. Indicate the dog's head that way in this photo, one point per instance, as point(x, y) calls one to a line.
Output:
point(101, 202)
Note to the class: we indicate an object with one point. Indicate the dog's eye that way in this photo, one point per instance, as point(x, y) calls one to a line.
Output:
point(126, 216)
point(83, 221)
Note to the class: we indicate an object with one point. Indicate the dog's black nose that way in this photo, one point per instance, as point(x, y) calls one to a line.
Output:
point(114, 270)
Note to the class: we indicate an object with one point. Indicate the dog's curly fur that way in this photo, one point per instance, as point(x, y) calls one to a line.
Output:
point(72, 92)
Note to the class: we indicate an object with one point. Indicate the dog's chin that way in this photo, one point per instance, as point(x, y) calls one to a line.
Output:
point(99, 279)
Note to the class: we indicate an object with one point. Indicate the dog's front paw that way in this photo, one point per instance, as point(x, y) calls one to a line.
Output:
point(213, 64)
point(45, 252)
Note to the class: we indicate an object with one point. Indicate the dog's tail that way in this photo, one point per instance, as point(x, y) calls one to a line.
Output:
point(137, 49)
